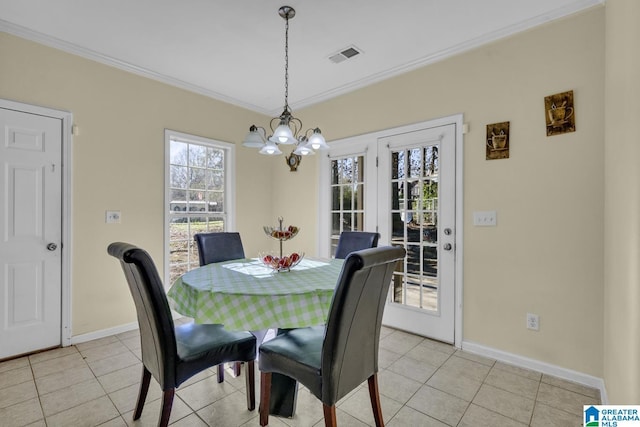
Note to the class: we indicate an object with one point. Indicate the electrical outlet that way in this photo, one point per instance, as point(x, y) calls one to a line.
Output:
point(533, 322)
point(112, 217)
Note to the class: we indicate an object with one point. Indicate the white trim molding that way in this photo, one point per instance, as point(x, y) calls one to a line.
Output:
point(536, 365)
point(103, 333)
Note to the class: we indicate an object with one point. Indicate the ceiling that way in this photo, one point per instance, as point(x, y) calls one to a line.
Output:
point(234, 50)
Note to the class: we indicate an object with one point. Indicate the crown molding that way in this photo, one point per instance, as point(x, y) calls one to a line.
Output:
point(35, 36)
point(562, 12)
point(83, 52)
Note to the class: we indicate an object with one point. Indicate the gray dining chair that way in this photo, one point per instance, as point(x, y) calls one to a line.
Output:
point(334, 359)
point(173, 354)
point(350, 241)
point(219, 247)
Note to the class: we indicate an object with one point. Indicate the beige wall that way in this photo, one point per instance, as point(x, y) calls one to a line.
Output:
point(622, 203)
point(118, 163)
point(546, 254)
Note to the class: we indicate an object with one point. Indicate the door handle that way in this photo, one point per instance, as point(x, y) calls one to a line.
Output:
point(52, 246)
point(447, 246)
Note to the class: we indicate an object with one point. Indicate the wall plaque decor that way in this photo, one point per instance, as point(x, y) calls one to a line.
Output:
point(497, 141)
point(559, 113)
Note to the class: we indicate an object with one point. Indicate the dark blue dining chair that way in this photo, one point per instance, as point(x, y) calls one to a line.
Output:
point(173, 354)
point(219, 246)
point(351, 241)
point(334, 359)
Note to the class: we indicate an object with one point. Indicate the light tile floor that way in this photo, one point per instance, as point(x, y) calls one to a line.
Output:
point(422, 383)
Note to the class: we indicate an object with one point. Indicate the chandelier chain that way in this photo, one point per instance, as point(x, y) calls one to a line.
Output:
point(286, 129)
point(286, 64)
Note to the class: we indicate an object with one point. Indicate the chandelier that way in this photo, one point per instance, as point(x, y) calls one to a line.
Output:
point(288, 130)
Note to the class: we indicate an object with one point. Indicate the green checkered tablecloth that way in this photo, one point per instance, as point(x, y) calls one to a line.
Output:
point(246, 295)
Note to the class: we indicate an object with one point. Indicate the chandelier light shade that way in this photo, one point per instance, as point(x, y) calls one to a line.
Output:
point(289, 128)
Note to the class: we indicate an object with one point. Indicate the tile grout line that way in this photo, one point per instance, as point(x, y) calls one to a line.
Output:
point(35, 385)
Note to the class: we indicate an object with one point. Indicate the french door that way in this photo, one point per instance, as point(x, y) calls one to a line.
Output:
point(406, 186)
point(416, 210)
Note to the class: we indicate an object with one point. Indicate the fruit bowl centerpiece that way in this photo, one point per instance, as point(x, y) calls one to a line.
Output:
point(283, 263)
point(280, 233)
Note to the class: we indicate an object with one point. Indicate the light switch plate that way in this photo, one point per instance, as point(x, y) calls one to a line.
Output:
point(484, 218)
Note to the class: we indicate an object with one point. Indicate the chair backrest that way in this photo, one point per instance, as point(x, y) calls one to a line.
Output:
point(352, 333)
point(351, 241)
point(218, 247)
point(157, 333)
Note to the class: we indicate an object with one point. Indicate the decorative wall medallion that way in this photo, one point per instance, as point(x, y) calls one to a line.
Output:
point(497, 141)
point(293, 160)
point(559, 113)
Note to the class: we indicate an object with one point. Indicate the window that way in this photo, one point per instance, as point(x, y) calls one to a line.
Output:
point(199, 196)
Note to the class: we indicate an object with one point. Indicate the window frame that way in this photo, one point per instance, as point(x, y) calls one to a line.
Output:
point(229, 211)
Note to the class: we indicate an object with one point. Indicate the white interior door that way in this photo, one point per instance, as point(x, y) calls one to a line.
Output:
point(417, 210)
point(30, 232)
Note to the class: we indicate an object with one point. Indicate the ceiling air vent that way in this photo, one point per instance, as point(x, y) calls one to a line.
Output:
point(344, 54)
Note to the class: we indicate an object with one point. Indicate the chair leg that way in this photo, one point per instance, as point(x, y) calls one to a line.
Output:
point(374, 394)
point(142, 395)
point(251, 389)
point(167, 402)
point(329, 415)
point(221, 373)
point(265, 397)
point(236, 369)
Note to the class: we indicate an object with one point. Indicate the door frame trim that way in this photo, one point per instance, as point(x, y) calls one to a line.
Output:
point(458, 121)
point(66, 119)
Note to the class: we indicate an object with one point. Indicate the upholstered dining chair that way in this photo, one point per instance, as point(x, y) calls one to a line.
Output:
point(334, 359)
point(218, 247)
point(350, 241)
point(174, 354)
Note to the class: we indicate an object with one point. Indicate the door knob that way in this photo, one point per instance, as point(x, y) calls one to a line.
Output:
point(447, 246)
point(52, 246)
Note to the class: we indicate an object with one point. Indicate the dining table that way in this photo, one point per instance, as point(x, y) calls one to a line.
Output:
point(247, 295)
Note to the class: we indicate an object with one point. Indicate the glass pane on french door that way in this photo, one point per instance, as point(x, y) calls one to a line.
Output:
point(414, 219)
point(347, 196)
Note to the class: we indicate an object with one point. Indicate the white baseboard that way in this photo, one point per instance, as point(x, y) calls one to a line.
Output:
point(77, 339)
point(536, 365)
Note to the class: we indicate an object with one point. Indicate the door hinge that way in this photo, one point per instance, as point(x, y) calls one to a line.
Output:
point(376, 161)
